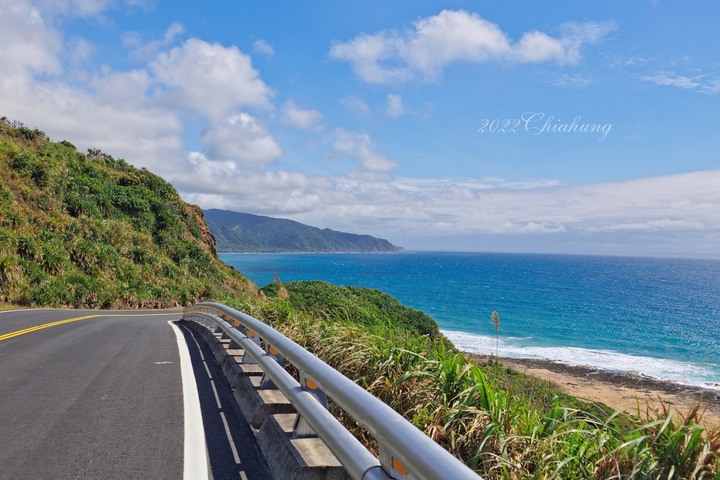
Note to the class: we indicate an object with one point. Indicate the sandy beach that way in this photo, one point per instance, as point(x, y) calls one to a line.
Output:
point(619, 391)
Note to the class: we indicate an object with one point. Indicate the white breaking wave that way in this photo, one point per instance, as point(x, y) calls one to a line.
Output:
point(663, 369)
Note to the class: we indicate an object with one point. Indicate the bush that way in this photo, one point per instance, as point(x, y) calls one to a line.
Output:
point(360, 305)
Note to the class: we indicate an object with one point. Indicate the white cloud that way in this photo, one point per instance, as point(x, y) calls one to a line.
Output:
point(365, 52)
point(261, 192)
point(702, 83)
point(149, 50)
point(458, 36)
point(133, 114)
point(133, 129)
point(79, 51)
point(209, 79)
point(122, 89)
point(80, 8)
point(567, 80)
point(672, 80)
point(355, 105)
point(262, 47)
point(360, 147)
point(116, 117)
point(243, 139)
point(711, 87)
point(623, 63)
point(536, 47)
point(300, 118)
point(394, 107)
point(29, 44)
point(453, 36)
point(575, 35)
point(668, 212)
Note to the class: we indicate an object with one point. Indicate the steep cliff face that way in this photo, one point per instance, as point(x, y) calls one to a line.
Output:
point(207, 238)
point(87, 230)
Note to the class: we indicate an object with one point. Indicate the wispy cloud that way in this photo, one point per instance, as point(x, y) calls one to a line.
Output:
point(304, 119)
point(672, 80)
point(702, 83)
point(361, 148)
point(577, 80)
point(394, 107)
point(262, 47)
point(355, 105)
point(147, 50)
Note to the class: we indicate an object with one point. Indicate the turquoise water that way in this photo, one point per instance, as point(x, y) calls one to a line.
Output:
point(655, 316)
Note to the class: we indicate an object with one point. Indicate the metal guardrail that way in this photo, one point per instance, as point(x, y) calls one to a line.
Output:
point(406, 453)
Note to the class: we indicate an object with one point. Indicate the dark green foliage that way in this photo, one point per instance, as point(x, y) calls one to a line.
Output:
point(360, 305)
point(31, 167)
point(243, 232)
point(6, 196)
point(92, 231)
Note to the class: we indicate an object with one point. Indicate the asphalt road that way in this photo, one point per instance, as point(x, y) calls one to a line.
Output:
point(95, 398)
point(99, 395)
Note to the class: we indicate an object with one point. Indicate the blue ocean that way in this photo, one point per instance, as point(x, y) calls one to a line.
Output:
point(653, 316)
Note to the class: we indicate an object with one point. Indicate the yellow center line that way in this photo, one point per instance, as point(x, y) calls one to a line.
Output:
point(17, 333)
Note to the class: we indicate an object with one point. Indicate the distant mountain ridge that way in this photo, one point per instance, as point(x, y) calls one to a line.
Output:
point(245, 232)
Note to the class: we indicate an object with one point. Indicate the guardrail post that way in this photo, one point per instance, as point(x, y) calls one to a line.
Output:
point(253, 337)
point(301, 428)
point(236, 325)
point(272, 352)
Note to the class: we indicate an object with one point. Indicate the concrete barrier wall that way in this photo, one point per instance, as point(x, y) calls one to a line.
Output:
point(271, 417)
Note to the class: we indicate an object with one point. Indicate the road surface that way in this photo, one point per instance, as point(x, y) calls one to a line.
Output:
point(99, 394)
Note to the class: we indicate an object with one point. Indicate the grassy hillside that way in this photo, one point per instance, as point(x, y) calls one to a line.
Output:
point(87, 230)
point(359, 305)
point(244, 232)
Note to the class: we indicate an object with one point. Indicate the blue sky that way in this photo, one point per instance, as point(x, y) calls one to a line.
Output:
point(556, 126)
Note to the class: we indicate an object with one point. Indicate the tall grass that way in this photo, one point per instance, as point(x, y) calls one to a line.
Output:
point(504, 425)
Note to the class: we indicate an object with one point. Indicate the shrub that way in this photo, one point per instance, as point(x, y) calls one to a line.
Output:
point(361, 305)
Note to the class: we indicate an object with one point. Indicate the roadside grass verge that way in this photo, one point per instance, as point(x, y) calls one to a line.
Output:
point(500, 422)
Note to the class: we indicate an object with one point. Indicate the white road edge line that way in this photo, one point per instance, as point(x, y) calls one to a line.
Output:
point(230, 439)
point(217, 398)
point(16, 310)
point(195, 466)
point(207, 369)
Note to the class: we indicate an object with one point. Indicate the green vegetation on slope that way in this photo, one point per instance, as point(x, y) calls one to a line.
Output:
point(91, 231)
point(360, 305)
point(244, 232)
point(500, 422)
